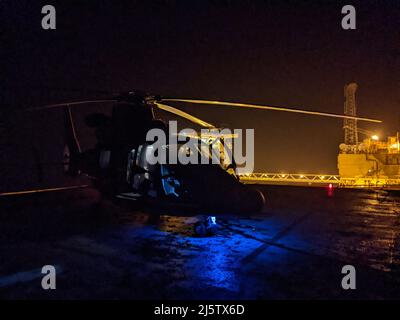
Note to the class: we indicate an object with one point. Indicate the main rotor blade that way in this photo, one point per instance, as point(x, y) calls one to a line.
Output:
point(157, 104)
point(274, 108)
point(66, 104)
point(17, 193)
point(183, 114)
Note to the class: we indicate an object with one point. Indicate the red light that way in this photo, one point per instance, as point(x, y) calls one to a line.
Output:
point(330, 190)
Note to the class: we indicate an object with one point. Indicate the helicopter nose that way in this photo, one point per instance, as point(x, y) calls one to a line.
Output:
point(252, 201)
point(257, 199)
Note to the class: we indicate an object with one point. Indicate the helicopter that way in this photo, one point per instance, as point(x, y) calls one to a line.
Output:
point(119, 168)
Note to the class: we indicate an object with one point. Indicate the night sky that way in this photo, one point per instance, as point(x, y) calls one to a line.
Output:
point(285, 53)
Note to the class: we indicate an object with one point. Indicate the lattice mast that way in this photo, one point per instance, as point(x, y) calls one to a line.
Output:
point(350, 125)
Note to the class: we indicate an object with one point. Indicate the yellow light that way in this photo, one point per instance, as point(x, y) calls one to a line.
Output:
point(301, 176)
point(375, 137)
point(322, 177)
point(394, 146)
point(283, 175)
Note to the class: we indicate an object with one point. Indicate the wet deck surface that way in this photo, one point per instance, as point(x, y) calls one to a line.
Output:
point(295, 249)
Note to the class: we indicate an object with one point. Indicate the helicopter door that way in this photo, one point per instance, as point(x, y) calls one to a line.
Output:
point(140, 174)
point(169, 182)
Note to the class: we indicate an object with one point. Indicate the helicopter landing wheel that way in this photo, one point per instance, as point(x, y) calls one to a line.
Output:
point(208, 227)
point(200, 229)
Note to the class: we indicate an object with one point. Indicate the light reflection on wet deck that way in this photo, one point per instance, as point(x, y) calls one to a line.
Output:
point(294, 249)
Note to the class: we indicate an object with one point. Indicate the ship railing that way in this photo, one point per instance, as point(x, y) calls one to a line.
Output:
point(320, 180)
point(291, 178)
